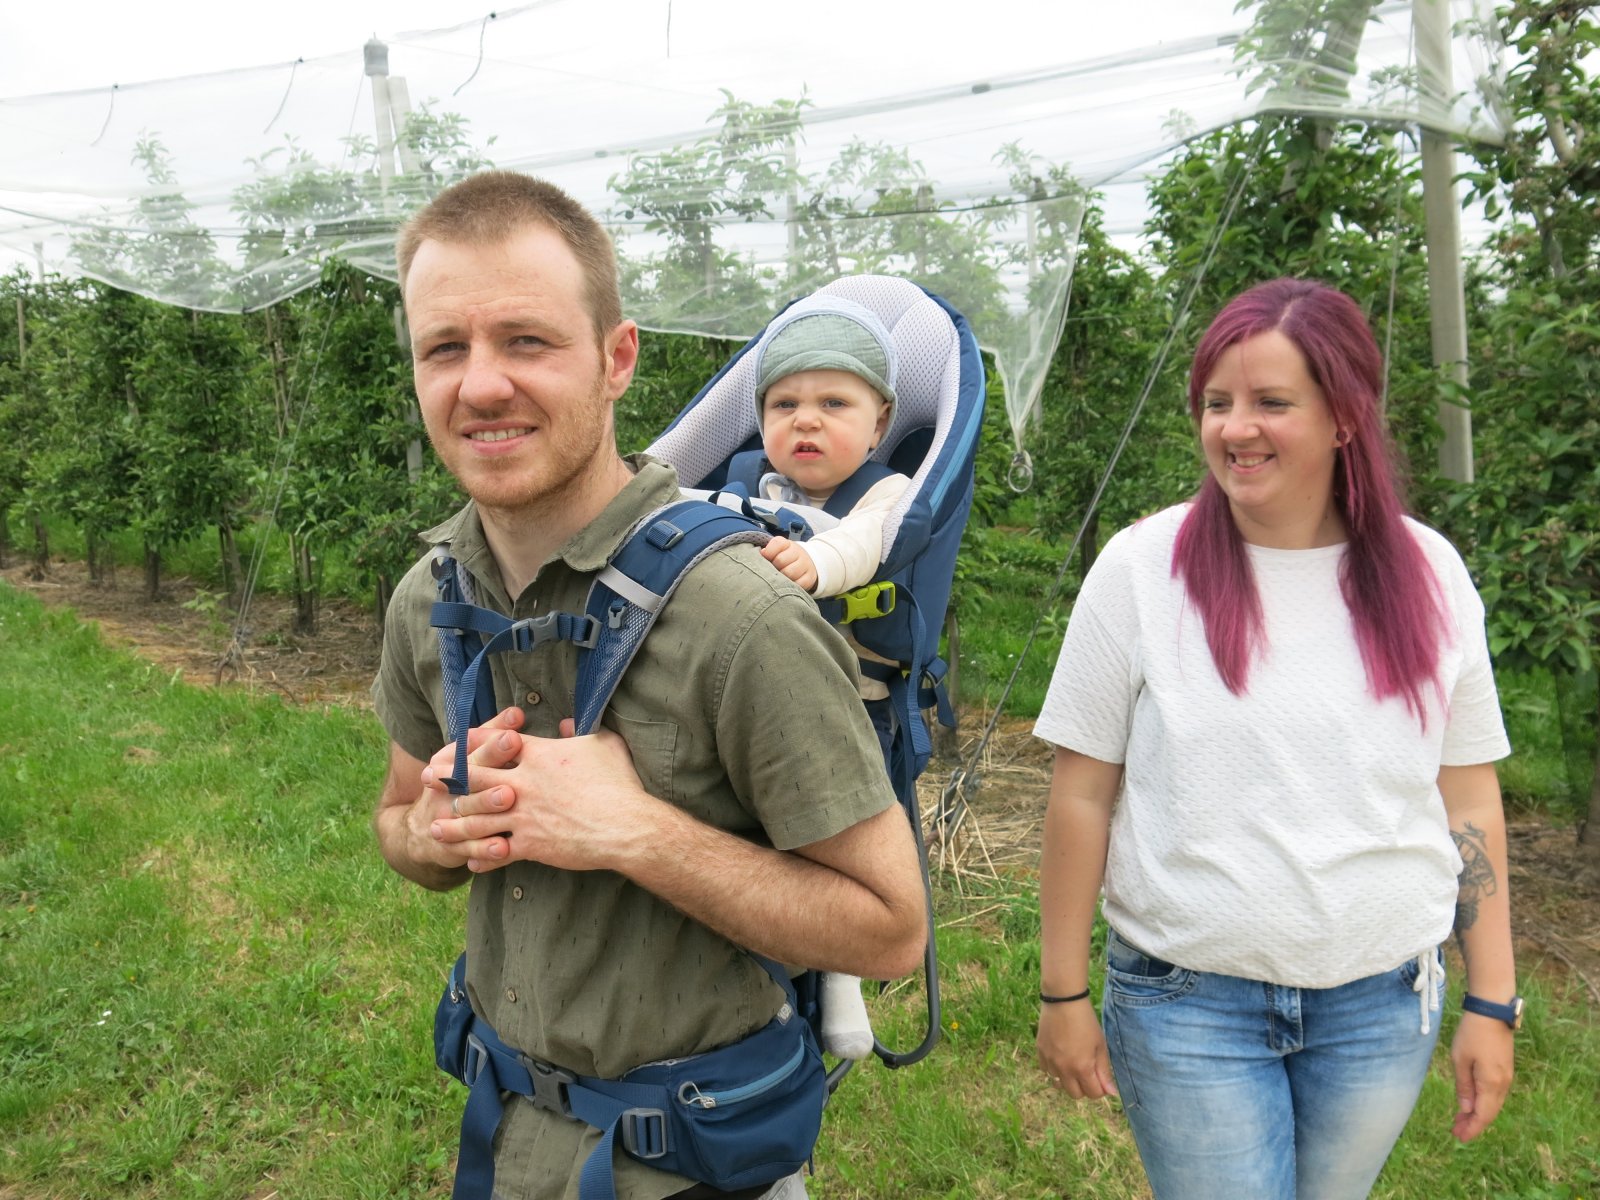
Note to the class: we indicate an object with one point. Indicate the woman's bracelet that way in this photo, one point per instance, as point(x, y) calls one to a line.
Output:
point(1045, 998)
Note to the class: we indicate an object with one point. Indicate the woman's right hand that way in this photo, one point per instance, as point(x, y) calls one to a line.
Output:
point(1072, 1050)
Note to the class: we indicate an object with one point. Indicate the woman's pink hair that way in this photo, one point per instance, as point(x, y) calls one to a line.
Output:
point(1388, 585)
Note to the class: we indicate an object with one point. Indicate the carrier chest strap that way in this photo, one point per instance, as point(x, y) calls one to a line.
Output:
point(502, 633)
point(749, 466)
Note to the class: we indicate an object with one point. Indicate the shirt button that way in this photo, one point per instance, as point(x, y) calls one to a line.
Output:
point(511, 995)
point(533, 697)
point(516, 893)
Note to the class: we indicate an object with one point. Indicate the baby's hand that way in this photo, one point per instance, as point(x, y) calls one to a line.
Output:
point(792, 559)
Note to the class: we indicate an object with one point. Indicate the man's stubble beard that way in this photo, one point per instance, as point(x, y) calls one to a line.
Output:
point(559, 469)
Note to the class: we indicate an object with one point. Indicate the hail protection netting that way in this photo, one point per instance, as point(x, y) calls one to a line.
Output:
point(740, 154)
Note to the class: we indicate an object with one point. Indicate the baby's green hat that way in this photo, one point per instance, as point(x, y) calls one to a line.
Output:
point(827, 333)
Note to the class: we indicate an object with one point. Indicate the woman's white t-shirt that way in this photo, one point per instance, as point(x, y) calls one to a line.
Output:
point(1296, 833)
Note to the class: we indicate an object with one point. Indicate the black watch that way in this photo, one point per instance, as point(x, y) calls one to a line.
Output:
point(1511, 1013)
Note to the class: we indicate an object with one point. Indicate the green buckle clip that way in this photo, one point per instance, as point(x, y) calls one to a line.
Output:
point(867, 601)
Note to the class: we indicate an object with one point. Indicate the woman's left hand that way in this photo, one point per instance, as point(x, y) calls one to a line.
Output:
point(1482, 1055)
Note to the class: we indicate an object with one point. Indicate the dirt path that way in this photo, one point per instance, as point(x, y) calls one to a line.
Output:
point(1556, 892)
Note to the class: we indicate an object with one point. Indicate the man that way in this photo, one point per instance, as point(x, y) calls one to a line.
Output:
point(736, 800)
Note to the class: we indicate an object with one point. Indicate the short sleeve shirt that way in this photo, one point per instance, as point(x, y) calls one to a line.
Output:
point(741, 709)
point(1295, 833)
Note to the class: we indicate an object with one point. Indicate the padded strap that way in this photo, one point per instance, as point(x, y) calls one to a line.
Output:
point(848, 494)
point(747, 467)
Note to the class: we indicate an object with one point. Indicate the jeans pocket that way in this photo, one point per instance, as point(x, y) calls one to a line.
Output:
point(1134, 977)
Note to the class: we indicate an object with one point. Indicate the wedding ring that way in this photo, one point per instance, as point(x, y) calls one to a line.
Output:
point(455, 806)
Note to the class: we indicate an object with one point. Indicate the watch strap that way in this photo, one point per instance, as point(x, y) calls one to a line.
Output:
point(1511, 1013)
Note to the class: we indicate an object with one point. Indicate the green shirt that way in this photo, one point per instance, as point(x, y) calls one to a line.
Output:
point(741, 708)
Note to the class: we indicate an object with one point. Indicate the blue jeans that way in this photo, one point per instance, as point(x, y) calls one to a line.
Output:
point(1242, 1090)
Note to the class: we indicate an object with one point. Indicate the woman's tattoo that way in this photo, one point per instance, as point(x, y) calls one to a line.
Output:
point(1476, 880)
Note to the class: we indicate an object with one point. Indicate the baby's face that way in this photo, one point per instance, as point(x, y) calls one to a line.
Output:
point(817, 427)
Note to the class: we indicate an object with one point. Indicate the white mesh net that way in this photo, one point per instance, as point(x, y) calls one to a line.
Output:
point(741, 156)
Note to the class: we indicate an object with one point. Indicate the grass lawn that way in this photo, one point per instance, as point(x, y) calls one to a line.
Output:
point(211, 986)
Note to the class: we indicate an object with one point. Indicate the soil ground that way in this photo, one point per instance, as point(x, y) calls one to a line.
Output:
point(1555, 883)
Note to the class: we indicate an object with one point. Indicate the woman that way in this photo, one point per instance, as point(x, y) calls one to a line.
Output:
point(1287, 682)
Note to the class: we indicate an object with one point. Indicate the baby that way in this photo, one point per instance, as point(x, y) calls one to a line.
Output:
point(825, 393)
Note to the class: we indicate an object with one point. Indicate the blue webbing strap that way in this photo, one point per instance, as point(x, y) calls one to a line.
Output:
point(905, 694)
point(746, 469)
point(457, 648)
point(503, 634)
point(777, 520)
point(635, 1112)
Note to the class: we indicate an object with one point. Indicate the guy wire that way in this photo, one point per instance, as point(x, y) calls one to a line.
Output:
point(952, 814)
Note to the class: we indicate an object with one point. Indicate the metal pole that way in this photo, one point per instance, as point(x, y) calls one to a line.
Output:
point(377, 67)
point(400, 113)
point(1447, 302)
point(376, 56)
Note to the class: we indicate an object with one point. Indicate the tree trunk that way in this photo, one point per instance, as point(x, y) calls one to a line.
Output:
point(305, 587)
point(280, 377)
point(152, 573)
point(41, 548)
point(95, 554)
point(382, 592)
point(1091, 541)
point(232, 568)
point(5, 541)
point(1589, 831)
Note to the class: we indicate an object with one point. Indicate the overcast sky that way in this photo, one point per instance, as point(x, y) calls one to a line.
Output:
point(55, 47)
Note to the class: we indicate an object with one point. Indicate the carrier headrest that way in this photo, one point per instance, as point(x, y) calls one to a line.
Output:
point(926, 383)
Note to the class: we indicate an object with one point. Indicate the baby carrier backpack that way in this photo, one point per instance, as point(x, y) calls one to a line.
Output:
point(774, 1080)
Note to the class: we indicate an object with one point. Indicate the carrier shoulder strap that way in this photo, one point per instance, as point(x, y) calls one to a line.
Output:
point(630, 590)
point(848, 494)
point(623, 603)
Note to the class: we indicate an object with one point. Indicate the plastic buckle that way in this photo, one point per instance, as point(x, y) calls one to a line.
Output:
point(663, 535)
point(530, 631)
point(475, 1059)
point(644, 1132)
point(549, 1086)
point(588, 640)
point(871, 600)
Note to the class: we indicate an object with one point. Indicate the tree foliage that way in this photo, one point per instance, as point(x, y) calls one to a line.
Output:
point(116, 415)
point(1532, 518)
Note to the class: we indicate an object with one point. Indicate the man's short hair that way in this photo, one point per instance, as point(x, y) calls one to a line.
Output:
point(494, 206)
